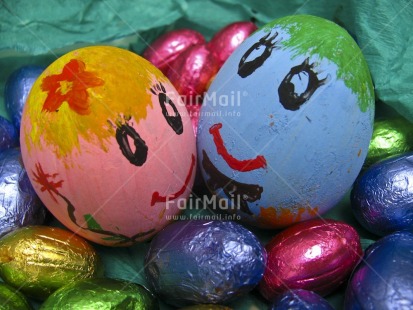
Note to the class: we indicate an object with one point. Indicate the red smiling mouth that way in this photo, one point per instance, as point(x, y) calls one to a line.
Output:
point(236, 164)
point(156, 197)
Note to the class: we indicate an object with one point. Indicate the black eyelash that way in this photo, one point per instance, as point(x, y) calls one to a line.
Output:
point(286, 91)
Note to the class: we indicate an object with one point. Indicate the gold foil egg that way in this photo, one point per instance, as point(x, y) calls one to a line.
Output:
point(38, 259)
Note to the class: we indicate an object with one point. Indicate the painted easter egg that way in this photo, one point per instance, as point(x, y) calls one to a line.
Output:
point(38, 260)
point(286, 123)
point(101, 293)
point(20, 205)
point(17, 89)
point(384, 278)
point(316, 255)
point(203, 262)
point(382, 197)
point(108, 145)
point(300, 300)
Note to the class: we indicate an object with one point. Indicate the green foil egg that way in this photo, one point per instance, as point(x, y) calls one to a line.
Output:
point(10, 299)
point(390, 137)
point(101, 294)
point(38, 259)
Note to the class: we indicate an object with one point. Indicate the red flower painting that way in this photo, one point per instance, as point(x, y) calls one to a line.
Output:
point(70, 86)
point(45, 180)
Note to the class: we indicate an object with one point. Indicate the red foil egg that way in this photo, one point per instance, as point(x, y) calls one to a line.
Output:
point(191, 72)
point(229, 38)
point(316, 255)
point(164, 50)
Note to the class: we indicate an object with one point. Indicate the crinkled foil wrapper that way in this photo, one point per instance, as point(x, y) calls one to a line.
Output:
point(206, 307)
point(11, 299)
point(39, 260)
point(101, 293)
point(390, 137)
point(19, 205)
point(384, 278)
point(204, 262)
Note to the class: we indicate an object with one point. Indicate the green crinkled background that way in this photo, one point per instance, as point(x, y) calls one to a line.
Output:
point(36, 32)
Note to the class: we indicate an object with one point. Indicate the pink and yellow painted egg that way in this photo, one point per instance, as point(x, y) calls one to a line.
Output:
point(108, 145)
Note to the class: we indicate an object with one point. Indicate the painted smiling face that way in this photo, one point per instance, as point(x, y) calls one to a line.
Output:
point(108, 145)
point(286, 124)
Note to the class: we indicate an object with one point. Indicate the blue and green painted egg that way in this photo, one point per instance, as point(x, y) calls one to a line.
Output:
point(286, 124)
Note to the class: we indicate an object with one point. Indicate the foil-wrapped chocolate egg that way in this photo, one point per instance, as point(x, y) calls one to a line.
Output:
point(17, 89)
point(194, 112)
point(20, 205)
point(391, 137)
point(206, 307)
point(225, 41)
point(39, 259)
point(382, 196)
point(203, 262)
point(12, 299)
point(316, 255)
point(300, 300)
point(101, 293)
point(384, 278)
point(192, 71)
point(8, 135)
point(165, 49)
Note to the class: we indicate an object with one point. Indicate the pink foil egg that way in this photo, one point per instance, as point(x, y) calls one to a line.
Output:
point(164, 50)
point(108, 145)
point(316, 255)
point(229, 38)
point(194, 112)
point(192, 71)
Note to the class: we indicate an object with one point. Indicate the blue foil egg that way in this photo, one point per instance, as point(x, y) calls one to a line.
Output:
point(8, 135)
point(19, 205)
point(285, 125)
point(204, 262)
point(384, 278)
point(300, 300)
point(17, 89)
point(382, 197)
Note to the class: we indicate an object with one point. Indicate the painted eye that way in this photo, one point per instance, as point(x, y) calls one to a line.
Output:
point(174, 120)
point(301, 76)
point(138, 156)
point(247, 67)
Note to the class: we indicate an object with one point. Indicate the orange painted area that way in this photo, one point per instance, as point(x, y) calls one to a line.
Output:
point(70, 86)
point(283, 217)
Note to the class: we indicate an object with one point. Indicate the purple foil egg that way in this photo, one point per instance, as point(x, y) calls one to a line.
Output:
point(204, 262)
point(8, 134)
point(300, 300)
point(17, 89)
point(229, 38)
point(191, 72)
point(165, 49)
point(382, 197)
point(384, 278)
point(316, 255)
point(20, 205)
